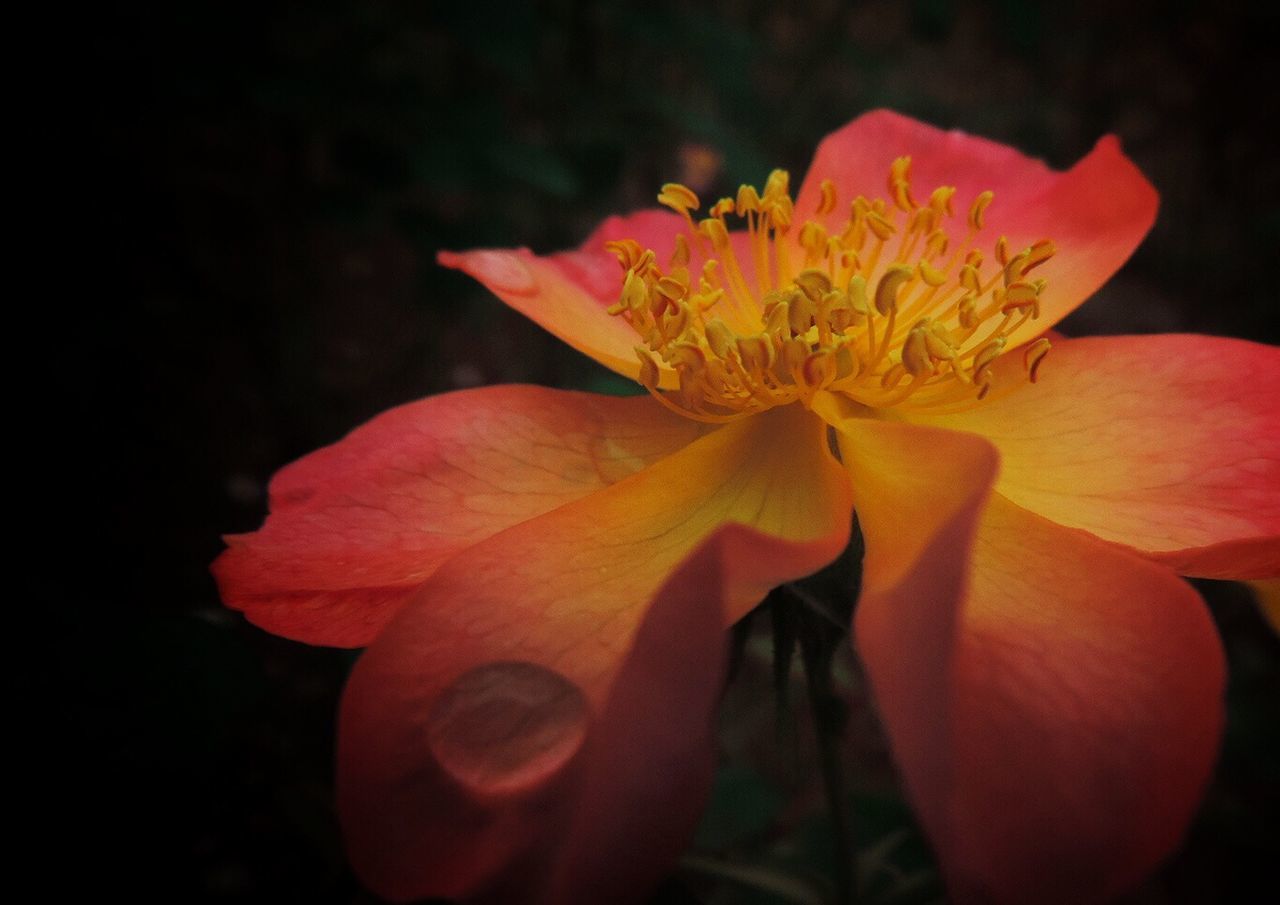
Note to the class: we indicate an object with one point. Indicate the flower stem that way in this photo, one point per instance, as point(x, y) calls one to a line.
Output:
point(829, 718)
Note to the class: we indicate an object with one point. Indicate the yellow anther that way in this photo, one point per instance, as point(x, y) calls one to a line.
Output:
point(858, 294)
point(777, 319)
point(676, 323)
point(756, 352)
point(902, 196)
point(983, 379)
point(848, 364)
point(719, 337)
point(721, 209)
point(800, 312)
point(813, 283)
point(707, 300)
point(936, 245)
point(939, 342)
point(670, 289)
point(647, 264)
point(813, 239)
point(627, 251)
point(977, 213)
point(680, 257)
point(833, 298)
point(680, 198)
point(940, 201)
point(915, 352)
point(827, 198)
point(931, 275)
point(1037, 254)
point(781, 212)
point(715, 231)
point(1002, 251)
point(922, 220)
point(635, 294)
point(687, 356)
point(1020, 293)
point(1033, 355)
point(1014, 270)
point(970, 280)
point(890, 283)
point(819, 368)
point(986, 355)
point(880, 225)
point(748, 200)
point(968, 312)
point(841, 316)
point(900, 184)
point(648, 368)
point(776, 186)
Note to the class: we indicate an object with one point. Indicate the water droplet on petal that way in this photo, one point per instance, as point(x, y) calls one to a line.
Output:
point(503, 727)
point(501, 271)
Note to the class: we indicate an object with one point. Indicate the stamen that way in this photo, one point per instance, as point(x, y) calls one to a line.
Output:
point(926, 337)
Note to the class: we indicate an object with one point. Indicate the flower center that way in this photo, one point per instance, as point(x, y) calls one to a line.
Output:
point(887, 310)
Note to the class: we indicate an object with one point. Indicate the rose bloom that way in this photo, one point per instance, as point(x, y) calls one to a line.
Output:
point(543, 578)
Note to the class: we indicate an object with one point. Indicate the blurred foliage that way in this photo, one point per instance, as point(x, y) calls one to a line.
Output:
point(260, 190)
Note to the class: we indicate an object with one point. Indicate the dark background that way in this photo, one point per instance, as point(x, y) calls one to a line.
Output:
point(245, 270)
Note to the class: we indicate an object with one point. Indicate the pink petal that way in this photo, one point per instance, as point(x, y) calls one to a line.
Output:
point(1097, 212)
point(356, 527)
point(1166, 444)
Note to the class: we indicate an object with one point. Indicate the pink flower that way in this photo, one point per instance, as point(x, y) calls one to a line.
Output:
point(544, 577)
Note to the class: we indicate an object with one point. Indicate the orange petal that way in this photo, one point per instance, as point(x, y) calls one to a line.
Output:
point(357, 526)
point(918, 493)
point(530, 627)
point(648, 763)
point(1056, 715)
point(567, 293)
point(1167, 444)
point(1097, 212)
point(1086, 714)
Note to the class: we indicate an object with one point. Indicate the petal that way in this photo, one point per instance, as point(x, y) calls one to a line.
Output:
point(357, 526)
point(1056, 716)
point(649, 761)
point(1167, 444)
point(1097, 212)
point(567, 293)
point(1086, 714)
point(435, 798)
point(918, 493)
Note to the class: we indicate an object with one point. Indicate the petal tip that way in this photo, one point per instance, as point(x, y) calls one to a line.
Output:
point(502, 270)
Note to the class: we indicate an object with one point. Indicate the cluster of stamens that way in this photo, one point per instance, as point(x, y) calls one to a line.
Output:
point(885, 311)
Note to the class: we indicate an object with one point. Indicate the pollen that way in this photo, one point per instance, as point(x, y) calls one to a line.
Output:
point(894, 307)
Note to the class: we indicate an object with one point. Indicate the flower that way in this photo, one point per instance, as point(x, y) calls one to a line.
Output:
point(543, 577)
